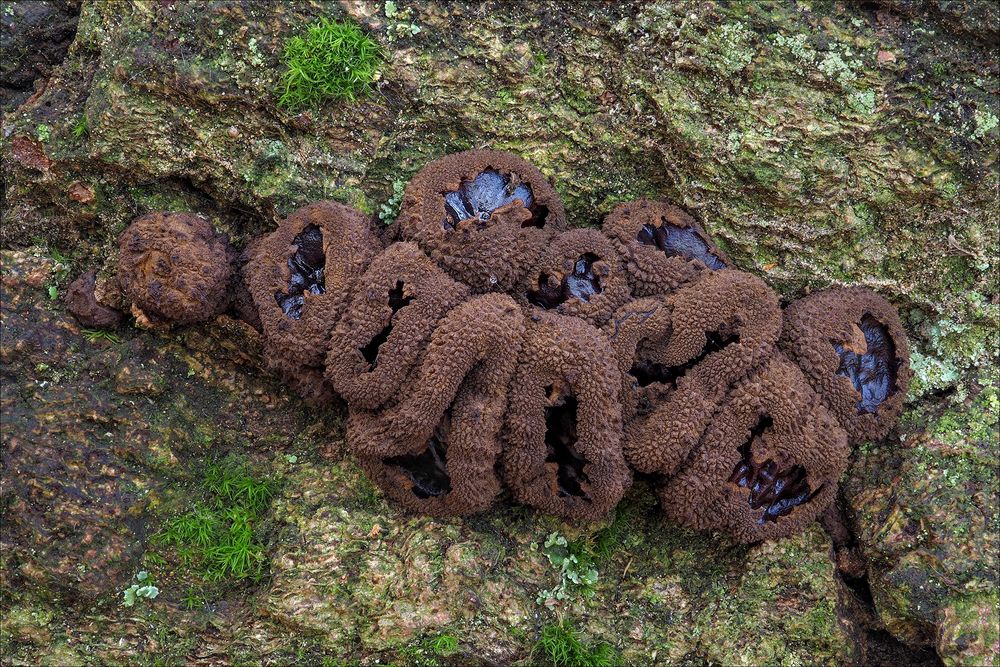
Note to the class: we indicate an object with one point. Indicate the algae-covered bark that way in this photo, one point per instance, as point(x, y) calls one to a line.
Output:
point(820, 143)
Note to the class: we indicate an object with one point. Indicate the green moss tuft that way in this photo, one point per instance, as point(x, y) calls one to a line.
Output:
point(219, 534)
point(334, 60)
point(561, 645)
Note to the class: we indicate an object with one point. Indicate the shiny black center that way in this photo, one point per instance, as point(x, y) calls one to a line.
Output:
point(306, 266)
point(476, 199)
point(581, 284)
point(873, 373)
point(777, 491)
point(679, 241)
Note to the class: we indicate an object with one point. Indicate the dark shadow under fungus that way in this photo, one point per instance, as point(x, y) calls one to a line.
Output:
point(427, 470)
point(306, 266)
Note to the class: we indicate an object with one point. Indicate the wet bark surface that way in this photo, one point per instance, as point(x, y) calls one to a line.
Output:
point(819, 143)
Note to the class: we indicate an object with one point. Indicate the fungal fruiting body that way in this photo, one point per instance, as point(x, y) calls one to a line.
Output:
point(562, 437)
point(767, 465)
point(579, 274)
point(661, 246)
point(387, 324)
point(721, 328)
point(851, 346)
point(173, 269)
point(486, 345)
point(484, 216)
point(435, 448)
point(300, 277)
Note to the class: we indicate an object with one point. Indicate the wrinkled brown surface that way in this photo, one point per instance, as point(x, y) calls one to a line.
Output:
point(486, 254)
point(243, 304)
point(448, 391)
point(721, 328)
point(296, 348)
point(643, 321)
point(434, 449)
point(828, 333)
point(84, 306)
point(562, 438)
point(174, 269)
point(632, 227)
point(579, 274)
point(387, 324)
point(767, 466)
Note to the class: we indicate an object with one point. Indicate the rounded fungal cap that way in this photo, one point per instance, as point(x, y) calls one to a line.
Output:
point(579, 274)
point(82, 303)
point(387, 324)
point(434, 450)
point(562, 439)
point(662, 247)
point(767, 466)
point(483, 215)
point(300, 277)
point(851, 346)
point(174, 269)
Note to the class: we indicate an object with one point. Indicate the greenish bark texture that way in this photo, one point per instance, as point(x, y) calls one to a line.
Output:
point(820, 143)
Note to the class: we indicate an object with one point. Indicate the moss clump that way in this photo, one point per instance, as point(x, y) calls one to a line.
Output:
point(334, 59)
point(219, 533)
point(561, 645)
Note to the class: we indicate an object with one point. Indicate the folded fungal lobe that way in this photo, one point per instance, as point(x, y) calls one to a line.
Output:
point(387, 324)
point(644, 323)
point(300, 277)
point(768, 464)
point(579, 274)
point(662, 247)
point(174, 269)
point(851, 346)
point(483, 215)
point(434, 449)
point(562, 439)
point(721, 328)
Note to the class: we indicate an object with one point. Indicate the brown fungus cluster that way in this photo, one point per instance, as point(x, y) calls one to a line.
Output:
point(479, 344)
point(300, 278)
point(174, 269)
point(484, 216)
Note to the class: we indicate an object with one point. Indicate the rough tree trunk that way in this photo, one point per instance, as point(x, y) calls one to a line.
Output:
point(820, 143)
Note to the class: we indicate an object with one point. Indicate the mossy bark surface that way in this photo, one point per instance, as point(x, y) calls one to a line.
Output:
point(819, 143)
